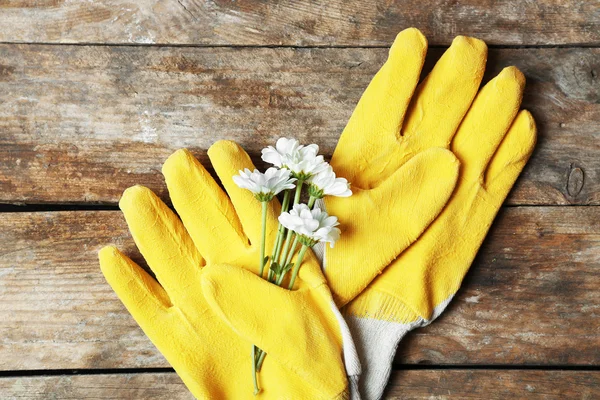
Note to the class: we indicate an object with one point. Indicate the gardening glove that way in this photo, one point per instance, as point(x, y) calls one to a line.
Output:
point(196, 260)
point(247, 303)
point(390, 126)
point(422, 185)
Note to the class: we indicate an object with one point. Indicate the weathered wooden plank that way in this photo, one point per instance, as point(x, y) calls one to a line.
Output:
point(531, 293)
point(62, 313)
point(406, 385)
point(531, 298)
point(320, 22)
point(75, 118)
point(493, 385)
point(143, 386)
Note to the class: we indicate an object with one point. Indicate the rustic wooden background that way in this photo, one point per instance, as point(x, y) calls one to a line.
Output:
point(94, 95)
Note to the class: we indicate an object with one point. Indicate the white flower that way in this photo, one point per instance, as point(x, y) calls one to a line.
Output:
point(312, 226)
point(325, 183)
point(283, 148)
point(264, 186)
point(303, 161)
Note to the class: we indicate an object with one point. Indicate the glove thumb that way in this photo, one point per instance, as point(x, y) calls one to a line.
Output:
point(406, 203)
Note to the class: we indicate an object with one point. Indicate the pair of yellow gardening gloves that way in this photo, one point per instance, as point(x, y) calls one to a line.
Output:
point(430, 166)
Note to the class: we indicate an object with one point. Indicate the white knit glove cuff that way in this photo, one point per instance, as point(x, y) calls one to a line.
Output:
point(376, 342)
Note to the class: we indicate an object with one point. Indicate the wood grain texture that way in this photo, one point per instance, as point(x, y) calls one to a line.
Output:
point(319, 22)
point(493, 385)
point(143, 386)
point(79, 124)
point(532, 296)
point(406, 385)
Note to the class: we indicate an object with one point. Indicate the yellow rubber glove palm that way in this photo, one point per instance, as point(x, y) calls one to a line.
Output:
point(491, 139)
point(196, 261)
point(394, 122)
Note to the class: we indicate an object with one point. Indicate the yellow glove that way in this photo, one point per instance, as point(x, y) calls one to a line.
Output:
point(491, 139)
point(196, 261)
point(378, 222)
point(388, 128)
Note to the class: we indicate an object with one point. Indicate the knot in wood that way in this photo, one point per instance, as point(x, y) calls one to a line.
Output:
point(575, 181)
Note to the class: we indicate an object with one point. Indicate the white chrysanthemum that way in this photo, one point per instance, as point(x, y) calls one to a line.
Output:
point(283, 148)
point(303, 161)
point(325, 183)
point(312, 226)
point(304, 164)
point(265, 185)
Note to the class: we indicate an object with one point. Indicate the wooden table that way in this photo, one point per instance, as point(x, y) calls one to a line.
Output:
point(94, 95)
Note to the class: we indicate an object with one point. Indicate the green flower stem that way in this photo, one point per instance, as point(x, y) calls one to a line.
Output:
point(280, 232)
point(286, 248)
point(280, 279)
point(297, 266)
point(311, 201)
point(288, 239)
point(286, 200)
point(260, 273)
point(261, 358)
point(298, 191)
point(254, 371)
point(291, 255)
point(277, 251)
point(263, 238)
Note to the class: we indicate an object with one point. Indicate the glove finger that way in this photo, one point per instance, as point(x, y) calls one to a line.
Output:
point(445, 95)
point(150, 306)
point(423, 279)
point(487, 122)
point(204, 208)
point(163, 241)
point(143, 297)
point(290, 326)
point(512, 155)
point(375, 123)
point(407, 202)
point(228, 158)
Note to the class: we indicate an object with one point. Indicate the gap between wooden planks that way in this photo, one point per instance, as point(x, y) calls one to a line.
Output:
point(406, 385)
point(79, 124)
point(530, 298)
point(315, 23)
